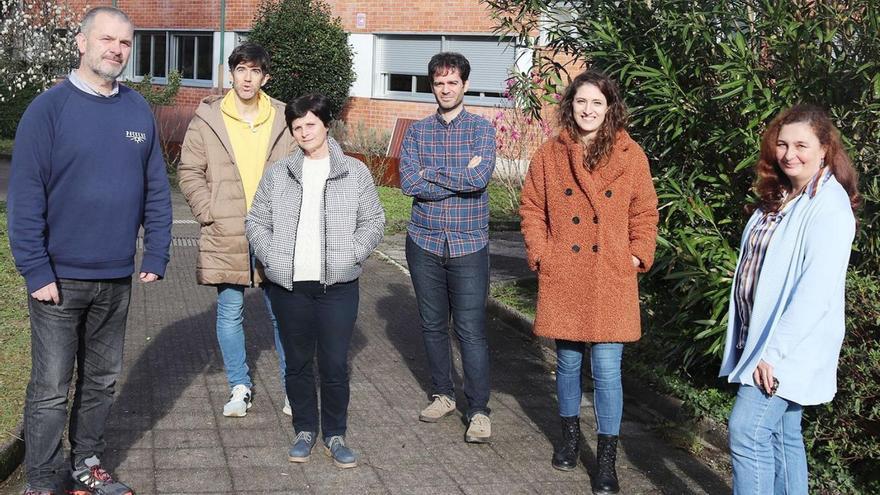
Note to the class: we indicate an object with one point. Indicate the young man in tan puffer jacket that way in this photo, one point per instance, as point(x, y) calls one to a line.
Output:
point(229, 143)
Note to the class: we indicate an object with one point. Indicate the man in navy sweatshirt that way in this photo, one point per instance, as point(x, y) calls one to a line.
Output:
point(87, 173)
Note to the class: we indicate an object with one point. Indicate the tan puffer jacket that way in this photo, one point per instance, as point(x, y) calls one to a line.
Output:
point(210, 181)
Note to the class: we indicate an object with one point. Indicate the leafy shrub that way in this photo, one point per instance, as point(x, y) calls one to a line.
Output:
point(309, 48)
point(843, 438)
point(161, 95)
point(12, 110)
point(702, 80)
point(369, 144)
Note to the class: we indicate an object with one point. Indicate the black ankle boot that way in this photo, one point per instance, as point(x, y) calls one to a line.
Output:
point(605, 480)
point(565, 456)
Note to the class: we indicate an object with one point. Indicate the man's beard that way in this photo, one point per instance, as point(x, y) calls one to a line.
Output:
point(106, 74)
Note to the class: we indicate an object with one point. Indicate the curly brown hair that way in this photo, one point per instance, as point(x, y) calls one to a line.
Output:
point(616, 117)
point(771, 183)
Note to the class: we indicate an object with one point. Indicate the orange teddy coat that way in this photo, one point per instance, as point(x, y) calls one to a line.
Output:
point(580, 230)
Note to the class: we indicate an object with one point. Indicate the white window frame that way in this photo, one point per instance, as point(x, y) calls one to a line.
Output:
point(382, 80)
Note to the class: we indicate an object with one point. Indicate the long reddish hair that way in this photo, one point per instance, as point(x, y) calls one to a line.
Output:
point(615, 118)
point(771, 183)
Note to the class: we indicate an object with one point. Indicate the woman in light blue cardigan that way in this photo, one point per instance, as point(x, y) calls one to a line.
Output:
point(786, 320)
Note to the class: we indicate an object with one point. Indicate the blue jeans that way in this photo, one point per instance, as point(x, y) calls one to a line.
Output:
point(461, 285)
point(230, 333)
point(86, 327)
point(317, 318)
point(607, 389)
point(766, 444)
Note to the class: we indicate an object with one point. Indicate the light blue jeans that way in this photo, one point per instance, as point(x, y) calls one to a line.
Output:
point(230, 334)
point(766, 444)
point(607, 389)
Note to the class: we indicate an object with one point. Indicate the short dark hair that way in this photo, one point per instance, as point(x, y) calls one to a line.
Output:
point(315, 103)
point(444, 62)
point(249, 52)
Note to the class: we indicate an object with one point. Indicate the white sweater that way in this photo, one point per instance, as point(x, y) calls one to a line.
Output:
point(307, 254)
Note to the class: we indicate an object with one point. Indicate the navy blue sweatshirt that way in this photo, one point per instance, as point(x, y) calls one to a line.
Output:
point(87, 172)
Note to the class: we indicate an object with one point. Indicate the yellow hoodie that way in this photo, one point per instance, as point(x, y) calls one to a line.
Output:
point(250, 141)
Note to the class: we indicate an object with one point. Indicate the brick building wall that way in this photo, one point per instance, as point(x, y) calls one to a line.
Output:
point(377, 16)
point(382, 114)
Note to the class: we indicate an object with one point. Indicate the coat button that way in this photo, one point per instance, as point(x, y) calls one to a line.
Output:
point(576, 220)
point(576, 248)
point(568, 192)
point(595, 248)
point(595, 219)
point(608, 193)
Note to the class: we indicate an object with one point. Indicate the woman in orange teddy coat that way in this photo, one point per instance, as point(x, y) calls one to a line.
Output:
point(589, 218)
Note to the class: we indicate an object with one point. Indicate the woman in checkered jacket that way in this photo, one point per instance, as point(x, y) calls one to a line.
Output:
point(315, 219)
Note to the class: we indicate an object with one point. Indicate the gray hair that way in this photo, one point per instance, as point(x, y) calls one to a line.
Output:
point(86, 24)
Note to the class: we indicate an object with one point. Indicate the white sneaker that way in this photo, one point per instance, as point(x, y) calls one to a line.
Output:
point(287, 410)
point(239, 402)
point(479, 430)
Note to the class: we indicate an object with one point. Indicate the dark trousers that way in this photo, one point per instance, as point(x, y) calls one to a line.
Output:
point(87, 327)
point(460, 286)
point(314, 317)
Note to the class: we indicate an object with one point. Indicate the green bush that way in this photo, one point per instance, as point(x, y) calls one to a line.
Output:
point(843, 438)
point(702, 80)
point(12, 110)
point(309, 48)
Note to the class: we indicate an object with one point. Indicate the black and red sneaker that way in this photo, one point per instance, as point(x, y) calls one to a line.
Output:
point(92, 479)
point(31, 491)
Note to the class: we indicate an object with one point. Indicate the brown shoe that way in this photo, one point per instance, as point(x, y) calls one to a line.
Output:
point(479, 430)
point(441, 407)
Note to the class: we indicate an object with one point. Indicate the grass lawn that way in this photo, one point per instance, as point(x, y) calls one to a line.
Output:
point(521, 295)
point(15, 352)
point(5, 146)
point(397, 207)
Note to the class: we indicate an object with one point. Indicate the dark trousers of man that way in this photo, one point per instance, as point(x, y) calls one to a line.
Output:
point(87, 327)
point(314, 317)
point(460, 285)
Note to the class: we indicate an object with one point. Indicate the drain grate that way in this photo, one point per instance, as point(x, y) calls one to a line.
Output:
point(175, 242)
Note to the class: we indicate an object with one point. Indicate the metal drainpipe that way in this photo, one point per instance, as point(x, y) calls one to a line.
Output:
point(220, 70)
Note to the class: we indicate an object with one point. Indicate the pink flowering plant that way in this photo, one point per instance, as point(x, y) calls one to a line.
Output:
point(518, 134)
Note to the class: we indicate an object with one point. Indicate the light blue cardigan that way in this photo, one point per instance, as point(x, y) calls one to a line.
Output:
point(797, 322)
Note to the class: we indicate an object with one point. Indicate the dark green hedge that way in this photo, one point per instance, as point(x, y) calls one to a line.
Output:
point(309, 49)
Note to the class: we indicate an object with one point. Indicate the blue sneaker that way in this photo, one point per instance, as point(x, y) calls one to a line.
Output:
point(342, 456)
point(302, 447)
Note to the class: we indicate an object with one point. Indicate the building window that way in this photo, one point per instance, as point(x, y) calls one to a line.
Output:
point(194, 56)
point(151, 53)
point(402, 65)
point(157, 52)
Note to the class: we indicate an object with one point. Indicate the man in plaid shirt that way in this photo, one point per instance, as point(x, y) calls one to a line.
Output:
point(445, 165)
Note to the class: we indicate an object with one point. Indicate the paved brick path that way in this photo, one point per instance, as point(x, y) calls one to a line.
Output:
point(167, 434)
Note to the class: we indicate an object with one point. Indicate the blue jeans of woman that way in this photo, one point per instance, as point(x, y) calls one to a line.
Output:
point(607, 389)
point(313, 317)
point(766, 444)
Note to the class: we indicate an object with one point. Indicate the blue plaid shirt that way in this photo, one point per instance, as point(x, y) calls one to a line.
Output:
point(450, 212)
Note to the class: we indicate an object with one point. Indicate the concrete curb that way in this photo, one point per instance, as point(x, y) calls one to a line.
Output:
point(660, 406)
point(12, 452)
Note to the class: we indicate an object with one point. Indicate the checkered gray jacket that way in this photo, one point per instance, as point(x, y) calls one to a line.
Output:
point(352, 218)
